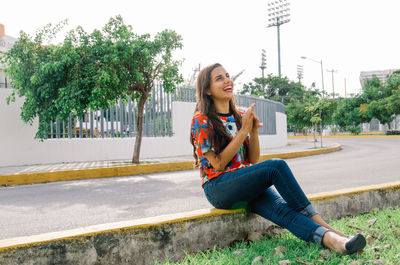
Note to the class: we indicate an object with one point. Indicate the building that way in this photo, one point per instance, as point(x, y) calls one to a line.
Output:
point(380, 74)
point(6, 43)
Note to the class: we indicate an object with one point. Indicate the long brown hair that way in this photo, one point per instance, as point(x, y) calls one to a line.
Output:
point(217, 133)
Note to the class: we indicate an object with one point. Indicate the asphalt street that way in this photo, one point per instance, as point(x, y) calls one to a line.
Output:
point(41, 208)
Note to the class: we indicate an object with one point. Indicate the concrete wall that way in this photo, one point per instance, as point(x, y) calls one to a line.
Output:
point(143, 241)
point(18, 146)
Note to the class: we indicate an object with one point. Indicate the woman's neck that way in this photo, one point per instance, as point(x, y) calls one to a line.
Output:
point(221, 106)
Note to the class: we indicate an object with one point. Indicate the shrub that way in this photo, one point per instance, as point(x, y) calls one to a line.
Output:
point(355, 130)
point(393, 132)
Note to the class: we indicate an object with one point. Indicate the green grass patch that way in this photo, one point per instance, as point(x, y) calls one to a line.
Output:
point(381, 228)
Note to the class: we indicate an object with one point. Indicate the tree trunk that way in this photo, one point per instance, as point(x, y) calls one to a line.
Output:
point(138, 139)
point(315, 135)
point(320, 123)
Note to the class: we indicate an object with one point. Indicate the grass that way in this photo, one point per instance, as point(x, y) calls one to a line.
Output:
point(382, 229)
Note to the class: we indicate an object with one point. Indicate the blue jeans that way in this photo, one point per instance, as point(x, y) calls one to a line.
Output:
point(251, 187)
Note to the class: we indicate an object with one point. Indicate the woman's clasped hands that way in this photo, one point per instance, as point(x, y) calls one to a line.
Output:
point(250, 121)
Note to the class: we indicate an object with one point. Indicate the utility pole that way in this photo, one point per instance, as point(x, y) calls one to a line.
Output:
point(278, 11)
point(333, 83)
point(263, 61)
point(322, 72)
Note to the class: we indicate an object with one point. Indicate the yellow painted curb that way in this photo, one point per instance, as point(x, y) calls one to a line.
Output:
point(118, 171)
point(43, 177)
point(302, 153)
point(342, 192)
point(145, 223)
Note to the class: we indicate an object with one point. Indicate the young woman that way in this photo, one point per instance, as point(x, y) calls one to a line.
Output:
point(226, 148)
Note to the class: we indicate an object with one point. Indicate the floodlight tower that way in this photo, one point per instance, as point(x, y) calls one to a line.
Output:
point(263, 61)
point(299, 72)
point(278, 12)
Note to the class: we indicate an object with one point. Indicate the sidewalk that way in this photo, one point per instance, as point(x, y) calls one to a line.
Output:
point(16, 175)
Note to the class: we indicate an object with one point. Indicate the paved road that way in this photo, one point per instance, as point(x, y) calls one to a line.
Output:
point(40, 208)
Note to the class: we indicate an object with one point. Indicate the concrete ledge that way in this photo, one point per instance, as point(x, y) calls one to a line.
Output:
point(171, 236)
point(43, 177)
point(347, 136)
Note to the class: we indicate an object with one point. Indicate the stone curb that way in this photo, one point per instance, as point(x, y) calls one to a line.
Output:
point(119, 171)
point(172, 236)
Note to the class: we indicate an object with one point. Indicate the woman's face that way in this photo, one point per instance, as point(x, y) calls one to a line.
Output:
point(221, 85)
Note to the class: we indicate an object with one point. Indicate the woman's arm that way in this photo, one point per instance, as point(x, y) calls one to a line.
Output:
point(254, 146)
point(220, 161)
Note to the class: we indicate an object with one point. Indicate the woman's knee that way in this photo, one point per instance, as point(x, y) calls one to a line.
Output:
point(276, 163)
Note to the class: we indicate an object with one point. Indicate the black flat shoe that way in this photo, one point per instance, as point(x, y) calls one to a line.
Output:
point(355, 244)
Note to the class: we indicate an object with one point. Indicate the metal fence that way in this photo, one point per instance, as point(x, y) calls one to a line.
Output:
point(265, 110)
point(4, 83)
point(120, 120)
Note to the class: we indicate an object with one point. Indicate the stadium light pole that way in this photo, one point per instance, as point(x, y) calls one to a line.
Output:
point(299, 72)
point(322, 72)
point(263, 61)
point(278, 12)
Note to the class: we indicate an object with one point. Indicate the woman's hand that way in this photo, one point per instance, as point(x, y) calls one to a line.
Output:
point(256, 124)
point(248, 119)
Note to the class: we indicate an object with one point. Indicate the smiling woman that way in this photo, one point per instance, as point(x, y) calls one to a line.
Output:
point(226, 148)
point(221, 89)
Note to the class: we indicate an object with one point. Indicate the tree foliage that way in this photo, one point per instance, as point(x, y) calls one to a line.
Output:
point(381, 100)
point(274, 88)
point(89, 71)
point(349, 112)
point(377, 100)
point(297, 115)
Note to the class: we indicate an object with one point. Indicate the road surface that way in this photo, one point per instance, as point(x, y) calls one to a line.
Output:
point(40, 208)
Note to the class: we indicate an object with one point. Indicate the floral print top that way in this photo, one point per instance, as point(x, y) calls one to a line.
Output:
point(202, 143)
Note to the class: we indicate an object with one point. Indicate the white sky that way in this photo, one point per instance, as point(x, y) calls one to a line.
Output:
point(348, 35)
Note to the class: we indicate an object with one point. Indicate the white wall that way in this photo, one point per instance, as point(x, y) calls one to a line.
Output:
point(18, 146)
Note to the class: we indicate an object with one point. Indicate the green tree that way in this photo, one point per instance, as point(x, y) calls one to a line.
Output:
point(297, 116)
point(382, 100)
point(393, 85)
point(374, 89)
point(321, 112)
point(274, 88)
point(90, 71)
point(257, 88)
point(349, 111)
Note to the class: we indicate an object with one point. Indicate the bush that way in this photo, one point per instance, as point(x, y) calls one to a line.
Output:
point(356, 130)
point(393, 132)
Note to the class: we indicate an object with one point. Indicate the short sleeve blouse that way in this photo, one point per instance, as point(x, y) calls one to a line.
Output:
point(203, 144)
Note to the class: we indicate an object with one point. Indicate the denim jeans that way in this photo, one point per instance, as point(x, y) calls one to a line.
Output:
point(251, 187)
